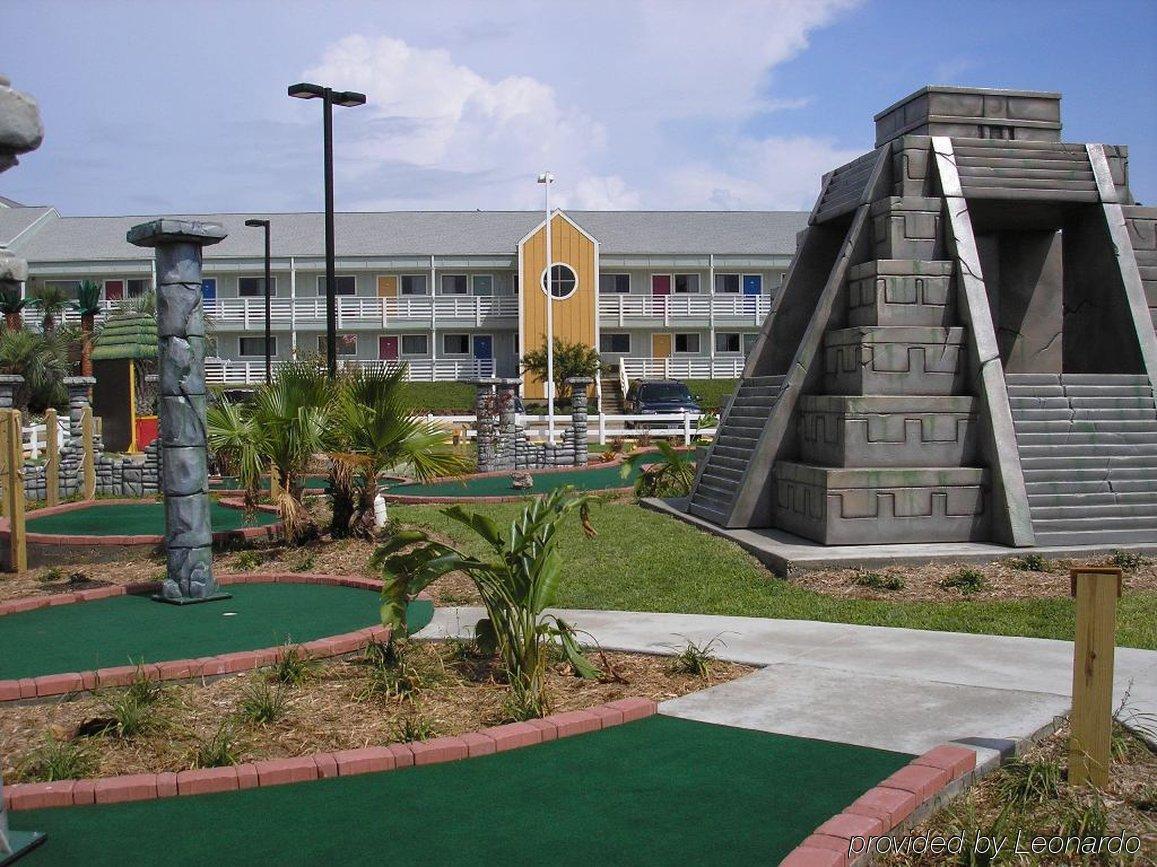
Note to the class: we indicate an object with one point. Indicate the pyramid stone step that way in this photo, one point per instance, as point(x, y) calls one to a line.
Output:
point(1123, 420)
point(886, 292)
point(1132, 522)
point(1095, 483)
point(887, 431)
point(1086, 462)
point(911, 360)
point(1103, 511)
point(1138, 499)
point(1085, 403)
point(1104, 536)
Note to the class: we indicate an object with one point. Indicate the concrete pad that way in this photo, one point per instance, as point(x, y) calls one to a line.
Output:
point(783, 552)
point(903, 714)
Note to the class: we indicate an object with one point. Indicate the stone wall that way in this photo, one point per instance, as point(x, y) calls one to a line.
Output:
point(502, 445)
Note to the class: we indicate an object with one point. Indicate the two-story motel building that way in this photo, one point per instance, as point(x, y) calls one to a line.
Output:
point(663, 293)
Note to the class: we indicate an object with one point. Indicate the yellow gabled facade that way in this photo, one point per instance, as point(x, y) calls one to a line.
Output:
point(575, 317)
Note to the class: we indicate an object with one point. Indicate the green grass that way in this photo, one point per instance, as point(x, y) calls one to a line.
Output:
point(658, 791)
point(447, 398)
point(712, 392)
point(644, 561)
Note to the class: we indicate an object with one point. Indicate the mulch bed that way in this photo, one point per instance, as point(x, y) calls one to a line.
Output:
point(335, 708)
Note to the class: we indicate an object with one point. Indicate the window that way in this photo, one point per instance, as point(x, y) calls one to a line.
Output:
point(347, 345)
point(614, 283)
point(515, 284)
point(727, 341)
point(413, 284)
point(620, 343)
point(454, 284)
point(727, 283)
point(254, 347)
point(483, 284)
point(343, 284)
point(749, 342)
point(254, 287)
point(687, 283)
point(687, 343)
point(415, 344)
point(138, 287)
point(69, 287)
point(455, 344)
point(563, 281)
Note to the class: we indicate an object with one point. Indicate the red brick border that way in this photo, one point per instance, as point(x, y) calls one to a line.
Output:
point(884, 808)
point(344, 763)
point(184, 669)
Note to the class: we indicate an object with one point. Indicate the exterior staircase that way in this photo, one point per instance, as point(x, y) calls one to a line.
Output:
point(1088, 447)
point(739, 429)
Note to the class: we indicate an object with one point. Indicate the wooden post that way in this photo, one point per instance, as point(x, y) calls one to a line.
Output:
point(1096, 590)
point(5, 469)
point(52, 462)
point(14, 492)
point(86, 425)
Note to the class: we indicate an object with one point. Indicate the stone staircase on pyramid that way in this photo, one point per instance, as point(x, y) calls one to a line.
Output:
point(1088, 446)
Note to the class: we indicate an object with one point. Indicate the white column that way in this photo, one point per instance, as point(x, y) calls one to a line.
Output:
point(549, 323)
point(292, 308)
point(433, 320)
point(711, 301)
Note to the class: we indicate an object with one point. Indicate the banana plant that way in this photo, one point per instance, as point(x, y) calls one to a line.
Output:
point(672, 475)
point(517, 584)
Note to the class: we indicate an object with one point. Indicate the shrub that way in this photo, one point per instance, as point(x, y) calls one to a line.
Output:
point(412, 727)
point(1030, 563)
point(1127, 561)
point(879, 581)
point(130, 714)
point(967, 581)
point(218, 750)
point(1024, 782)
point(672, 475)
point(262, 704)
point(58, 760)
point(292, 668)
point(249, 559)
point(694, 658)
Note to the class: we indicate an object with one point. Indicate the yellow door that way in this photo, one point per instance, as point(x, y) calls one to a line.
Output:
point(660, 345)
point(388, 286)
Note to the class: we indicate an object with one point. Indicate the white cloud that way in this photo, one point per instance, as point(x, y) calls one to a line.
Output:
point(595, 93)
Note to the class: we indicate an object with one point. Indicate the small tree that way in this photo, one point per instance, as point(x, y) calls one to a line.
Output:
point(87, 304)
point(570, 359)
point(12, 306)
point(51, 301)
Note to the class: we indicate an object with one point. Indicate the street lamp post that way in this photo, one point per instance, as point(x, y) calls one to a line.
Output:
point(268, 326)
point(329, 98)
point(546, 179)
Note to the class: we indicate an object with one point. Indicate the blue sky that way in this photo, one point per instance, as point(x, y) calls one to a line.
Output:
point(181, 107)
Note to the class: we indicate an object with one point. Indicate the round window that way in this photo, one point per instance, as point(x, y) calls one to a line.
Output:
point(563, 281)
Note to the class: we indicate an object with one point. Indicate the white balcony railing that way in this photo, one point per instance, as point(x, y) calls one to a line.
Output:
point(600, 426)
point(621, 309)
point(228, 371)
point(352, 310)
point(689, 367)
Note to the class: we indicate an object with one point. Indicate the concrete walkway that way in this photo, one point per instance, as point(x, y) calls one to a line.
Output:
point(898, 689)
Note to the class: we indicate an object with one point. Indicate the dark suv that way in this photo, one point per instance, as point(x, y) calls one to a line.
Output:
point(647, 396)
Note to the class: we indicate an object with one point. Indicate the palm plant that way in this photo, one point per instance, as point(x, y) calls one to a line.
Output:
point(42, 359)
point(87, 304)
point(374, 431)
point(12, 306)
point(671, 475)
point(517, 584)
point(282, 428)
point(51, 300)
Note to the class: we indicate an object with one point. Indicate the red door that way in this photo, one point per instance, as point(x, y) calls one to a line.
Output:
point(114, 290)
point(388, 348)
point(660, 284)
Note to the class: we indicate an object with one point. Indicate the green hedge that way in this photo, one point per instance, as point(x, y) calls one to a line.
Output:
point(447, 398)
point(712, 392)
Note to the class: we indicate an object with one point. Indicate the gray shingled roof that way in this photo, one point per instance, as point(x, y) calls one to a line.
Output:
point(438, 233)
point(13, 221)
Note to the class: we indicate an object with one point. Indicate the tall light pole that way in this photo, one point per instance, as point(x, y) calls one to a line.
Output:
point(329, 98)
point(264, 224)
point(546, 179)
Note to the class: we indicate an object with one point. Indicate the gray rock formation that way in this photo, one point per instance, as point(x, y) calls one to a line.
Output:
point(184, 476)
point(20, 132)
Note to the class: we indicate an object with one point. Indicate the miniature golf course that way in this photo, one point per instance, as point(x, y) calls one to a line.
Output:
point(661, 790)
point(125, 630)
point(135, 519)
point(545, 481)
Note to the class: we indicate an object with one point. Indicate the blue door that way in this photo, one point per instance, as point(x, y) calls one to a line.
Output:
point(752, 284)
point(209, 289)
point(483, 347)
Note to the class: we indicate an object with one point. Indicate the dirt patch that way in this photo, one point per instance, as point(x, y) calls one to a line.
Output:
point(335, 708)
point(944, 582)
point(1032, 796)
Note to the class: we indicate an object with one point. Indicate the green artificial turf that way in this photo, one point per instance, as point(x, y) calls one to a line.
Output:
point(135, 519)
point(658, 791)
point(594, 479)
point(128, 629)
point(644, 561)
point(711, 392)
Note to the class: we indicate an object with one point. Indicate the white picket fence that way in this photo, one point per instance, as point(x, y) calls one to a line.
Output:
point(35, 437)
point(600, 427)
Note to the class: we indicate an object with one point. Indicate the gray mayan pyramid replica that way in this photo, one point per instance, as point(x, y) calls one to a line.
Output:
point(963, 348)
